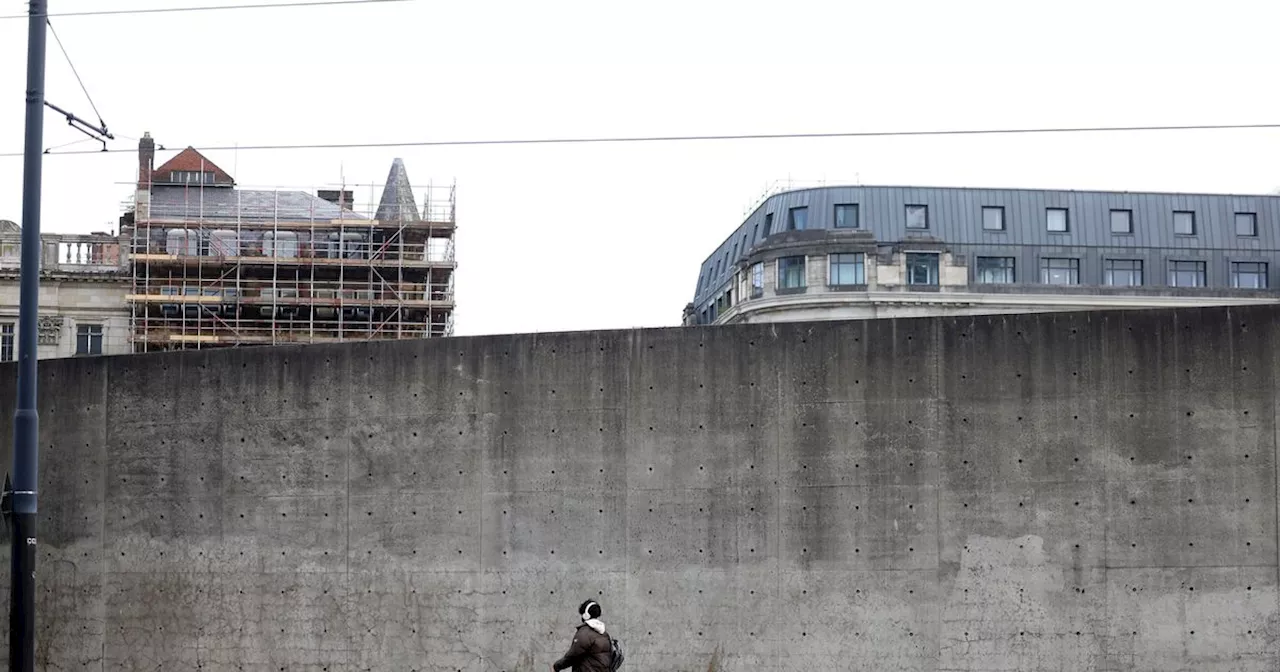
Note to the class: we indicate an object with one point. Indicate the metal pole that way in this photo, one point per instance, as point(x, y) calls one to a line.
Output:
point(26, 421)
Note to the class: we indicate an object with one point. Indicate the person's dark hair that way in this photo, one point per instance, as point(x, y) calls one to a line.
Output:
point(594, 609)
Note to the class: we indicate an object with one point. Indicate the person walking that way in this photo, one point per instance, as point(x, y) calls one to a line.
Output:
point(592, 648)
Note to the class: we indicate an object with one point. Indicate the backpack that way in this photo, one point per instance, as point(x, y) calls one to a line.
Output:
point(616, 648)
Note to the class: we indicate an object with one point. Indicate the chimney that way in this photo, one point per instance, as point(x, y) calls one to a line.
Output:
point(339, 197)
point(142, 195)
point(146, 160)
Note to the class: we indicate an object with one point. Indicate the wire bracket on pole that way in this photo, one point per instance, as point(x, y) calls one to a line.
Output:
point(99, 132)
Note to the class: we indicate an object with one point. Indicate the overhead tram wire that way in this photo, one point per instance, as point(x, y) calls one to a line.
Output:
point(703, 138)
point(75, 72)
point(207, 8)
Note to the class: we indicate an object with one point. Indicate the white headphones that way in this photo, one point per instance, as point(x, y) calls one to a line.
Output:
point(586, 610)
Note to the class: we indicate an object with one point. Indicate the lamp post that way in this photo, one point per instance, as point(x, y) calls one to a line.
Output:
point(26, 422)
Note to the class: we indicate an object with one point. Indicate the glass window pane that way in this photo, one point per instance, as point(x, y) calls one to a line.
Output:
point(768, 224)
point(1060, 271)
point(1121, 221)
point(1246, 224)
point(1186, 274)
point(847, 216)
point(1249, 275)
point(917, 216)
point(922, 268)
point(1184, 223)
point(790, 272)
point(994, 270)
point(1056, 219)
point(848, 269)
point(797, 219)
point(1123, 273)
point(757, 280)
point(6, 343)
point(993, 218)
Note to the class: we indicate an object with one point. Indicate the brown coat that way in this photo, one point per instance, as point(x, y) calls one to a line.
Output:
point(589, 652)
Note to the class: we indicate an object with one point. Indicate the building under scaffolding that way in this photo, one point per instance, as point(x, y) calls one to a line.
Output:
point(215, 265)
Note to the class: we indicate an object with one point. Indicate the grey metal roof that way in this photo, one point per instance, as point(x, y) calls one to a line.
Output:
point(955, 216)
point(223, 204)
point(397, 204)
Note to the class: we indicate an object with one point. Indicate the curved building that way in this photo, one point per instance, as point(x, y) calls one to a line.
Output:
point(864, 252)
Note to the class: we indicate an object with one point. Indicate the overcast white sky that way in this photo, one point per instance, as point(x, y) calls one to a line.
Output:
point(588, 237)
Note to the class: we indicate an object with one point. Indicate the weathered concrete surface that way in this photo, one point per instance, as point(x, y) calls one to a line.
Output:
point(1047, 492)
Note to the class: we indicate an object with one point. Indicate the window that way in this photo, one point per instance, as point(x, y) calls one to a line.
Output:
point(790, 272)
point(797, 219)
point(1122, 221)
point(768, 225)
point(1059, 271)
point(1122, 272)
point(1186, 274)
point(848, 269)
point(922, 268)
point(757, 280)
point(1246, 223)
point(735, 252)
point(992, 218)
point(1056, 220)
point(1249, 274)
point(189, 176)
point(994, 270)
point(1184, 223)
point(89, 339)
point(755, 233)
point(917, 216)
point(6, 342)
point(846, 216)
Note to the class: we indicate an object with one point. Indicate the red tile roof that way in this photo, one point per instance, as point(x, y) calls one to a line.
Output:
point(191, 160)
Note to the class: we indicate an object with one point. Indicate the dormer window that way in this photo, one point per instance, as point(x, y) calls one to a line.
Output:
point(191, 177)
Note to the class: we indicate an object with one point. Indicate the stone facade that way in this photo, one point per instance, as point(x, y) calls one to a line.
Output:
point(83, 286)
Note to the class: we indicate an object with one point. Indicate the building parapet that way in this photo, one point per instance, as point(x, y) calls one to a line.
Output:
point(95, 254)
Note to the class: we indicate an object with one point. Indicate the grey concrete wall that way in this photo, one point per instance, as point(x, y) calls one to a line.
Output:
point(1044, 492)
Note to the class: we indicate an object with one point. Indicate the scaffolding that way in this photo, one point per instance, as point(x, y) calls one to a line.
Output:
point(221, 266)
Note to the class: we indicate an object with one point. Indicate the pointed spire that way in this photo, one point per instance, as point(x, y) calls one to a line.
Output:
point(397, 197)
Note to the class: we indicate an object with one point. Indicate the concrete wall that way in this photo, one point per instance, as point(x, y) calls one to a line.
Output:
point(1075, 491)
